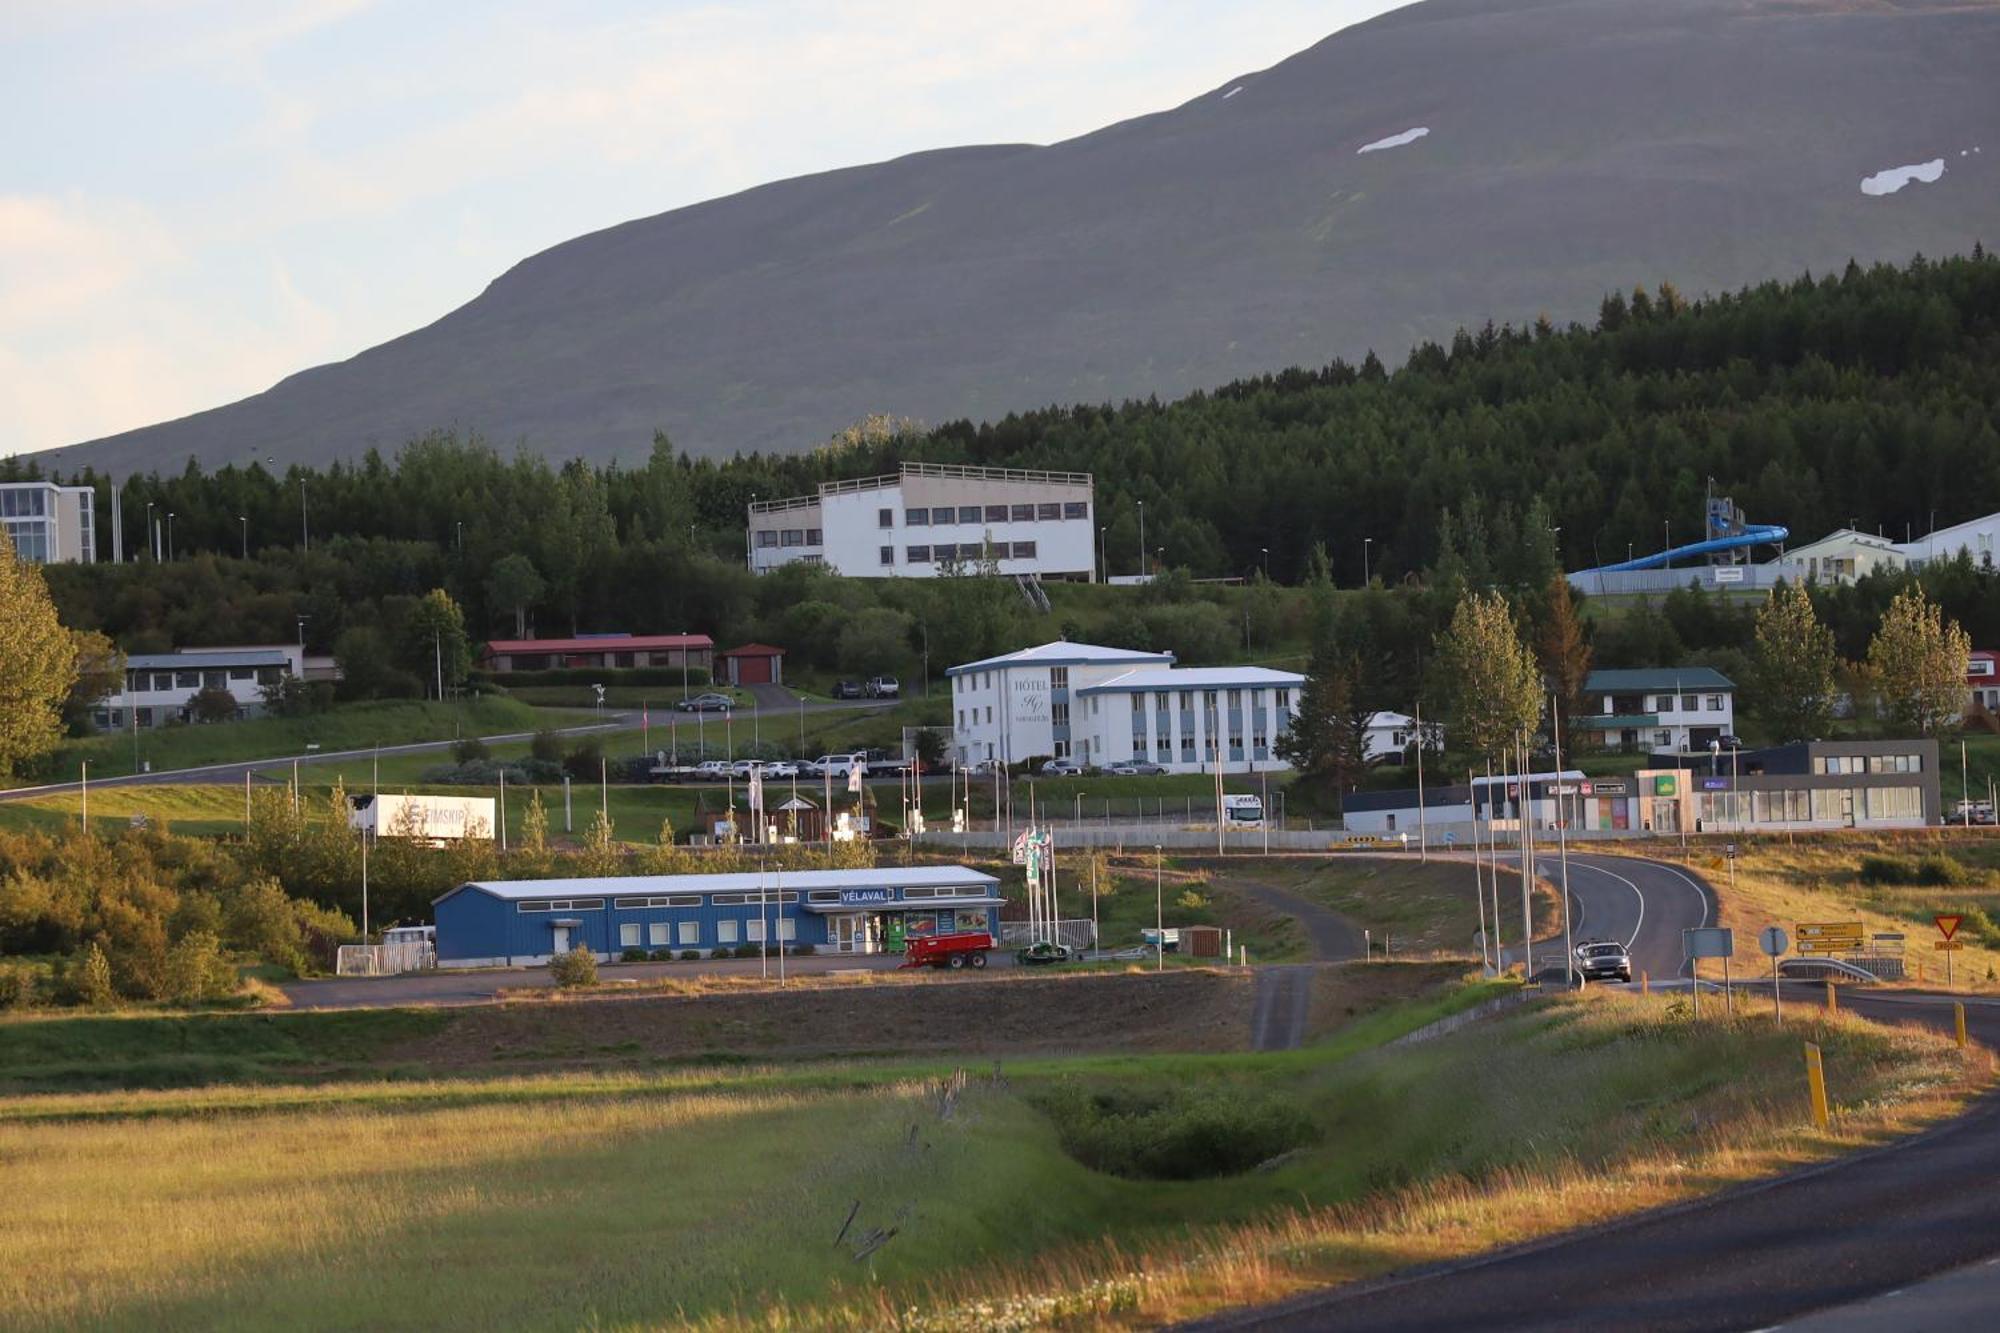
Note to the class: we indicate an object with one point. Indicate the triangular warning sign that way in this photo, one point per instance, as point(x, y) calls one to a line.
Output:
point(1948, 924)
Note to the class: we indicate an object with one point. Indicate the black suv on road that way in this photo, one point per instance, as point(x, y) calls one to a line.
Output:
point(846, 689)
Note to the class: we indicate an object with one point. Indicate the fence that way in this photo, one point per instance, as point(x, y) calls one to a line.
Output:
point(385, 960)
point(1075, 934)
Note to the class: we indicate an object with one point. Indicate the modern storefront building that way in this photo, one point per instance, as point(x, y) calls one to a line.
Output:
point(928, 518)
point(1813, 785)
point(503, 923)
point(50, 524)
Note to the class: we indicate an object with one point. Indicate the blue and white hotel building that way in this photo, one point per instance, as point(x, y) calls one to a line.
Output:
point(522, 922)
point(1101, 705)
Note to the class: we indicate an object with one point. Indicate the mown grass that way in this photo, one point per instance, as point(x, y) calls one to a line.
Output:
point(1423, 907)
point(343, 727)
point(719, 1199)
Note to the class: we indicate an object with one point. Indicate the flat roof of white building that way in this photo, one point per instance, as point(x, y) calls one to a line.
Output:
point(894, 877)
point(1064, 653)
point(1197, 678)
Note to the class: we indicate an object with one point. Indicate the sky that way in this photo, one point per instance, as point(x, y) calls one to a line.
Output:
point(199, 197)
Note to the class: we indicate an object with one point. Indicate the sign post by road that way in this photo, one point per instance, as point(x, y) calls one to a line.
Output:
point(1771, 939)
point(1826, 938)
point(1947, 925)
point(1701, 942)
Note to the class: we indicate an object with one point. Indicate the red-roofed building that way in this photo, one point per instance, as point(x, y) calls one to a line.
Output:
point(603, 651)
point(754, 664)
point(1982, 674)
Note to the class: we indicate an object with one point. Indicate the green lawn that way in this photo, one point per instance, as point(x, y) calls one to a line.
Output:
point(854, 1195)
point(342, 727)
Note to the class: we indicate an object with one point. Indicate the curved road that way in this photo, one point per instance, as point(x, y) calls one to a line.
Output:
point(1848, 1237)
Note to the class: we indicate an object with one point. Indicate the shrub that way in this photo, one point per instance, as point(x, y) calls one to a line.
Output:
point(196, 970)
point(746, 951)
point(547, 746)
point(17, 988)
point(469, 750)
point(576, 968)
point(1174, 1133)
point(92, 979)
point(1943, 871)
point(633, 956)
point(663, 955)
point(690, 955)
point(1880, 869)
point(801, 950)
point(584, 762)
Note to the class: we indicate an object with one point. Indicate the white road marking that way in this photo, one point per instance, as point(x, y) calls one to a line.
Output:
point(1395, 140)
point(1232, 92)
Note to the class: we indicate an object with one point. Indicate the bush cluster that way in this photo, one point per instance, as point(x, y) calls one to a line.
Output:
point(576, 968)
point(1933, 870)
point(1175, 1133)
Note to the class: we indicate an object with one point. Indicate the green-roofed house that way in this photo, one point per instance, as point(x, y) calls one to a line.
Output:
point(1658, 708)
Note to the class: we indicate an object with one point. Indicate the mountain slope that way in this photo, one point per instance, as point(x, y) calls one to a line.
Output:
point(1572, 145)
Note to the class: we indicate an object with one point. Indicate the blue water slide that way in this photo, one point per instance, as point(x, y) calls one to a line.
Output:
point(1762, 534)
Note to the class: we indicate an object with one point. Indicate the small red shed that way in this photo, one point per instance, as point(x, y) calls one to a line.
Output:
point(753, 664)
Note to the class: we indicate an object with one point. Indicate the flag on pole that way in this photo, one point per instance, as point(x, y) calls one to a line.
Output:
point(757, 788)
point(854, 777)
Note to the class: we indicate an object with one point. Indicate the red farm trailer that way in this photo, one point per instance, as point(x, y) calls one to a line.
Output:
point(966, 948)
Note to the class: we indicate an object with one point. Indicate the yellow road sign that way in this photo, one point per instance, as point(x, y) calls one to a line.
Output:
point(1948, 945)
point(1823, 937)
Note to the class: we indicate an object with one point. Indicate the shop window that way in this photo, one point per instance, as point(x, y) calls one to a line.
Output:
point(659, 934)
point(628, 934)
point(689, 932)
point(753, 930)
point(788, 929)
point(725, 932)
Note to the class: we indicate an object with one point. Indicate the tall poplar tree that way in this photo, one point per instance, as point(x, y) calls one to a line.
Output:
point(1563, 652)
point(37, 663)
point(1917, 664)
point(1792, 666)
point(1488, 679)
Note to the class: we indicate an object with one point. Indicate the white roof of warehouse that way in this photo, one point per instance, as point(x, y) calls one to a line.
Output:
point(514, 890)
point(1196, 678)
point(1064, 653)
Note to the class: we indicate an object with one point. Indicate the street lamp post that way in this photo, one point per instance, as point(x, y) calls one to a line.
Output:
point(244, 520)
point(152, 537)
point(305, 529)
point(1265, 551)
point(170, 535)
point(1142, 538)
point(302, 630)
point(1366, 576)
point(1159, 909)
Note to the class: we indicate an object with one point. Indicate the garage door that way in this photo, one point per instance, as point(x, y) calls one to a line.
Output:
point(752, 670)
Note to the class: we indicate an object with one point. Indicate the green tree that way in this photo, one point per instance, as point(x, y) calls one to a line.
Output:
point(1917, 663)
point(1325, 739)
point(1792, 666)
point(37, 663)
point(1486, 677)
point(196, 970)
point(874, 641)
point(434, 640)
point(94, 985)
point(516, 584)
point(1563, 652)
point(100, 672)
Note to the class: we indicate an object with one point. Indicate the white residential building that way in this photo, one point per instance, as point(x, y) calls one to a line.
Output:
point(50, 524)
point(1388, 736)
point(1102, 705)
point(929, 517)
point(159, 687)
point(1976, 537)
point(1658, 708)
point(1840, 557)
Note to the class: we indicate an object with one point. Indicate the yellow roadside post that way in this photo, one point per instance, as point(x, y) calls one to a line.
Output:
point(1832, 999)
point(1816, 1084)
point(1645, 985)
point(1958, 1018)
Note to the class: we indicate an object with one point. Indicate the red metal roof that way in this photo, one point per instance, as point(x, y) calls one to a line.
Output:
point(754, 650)
point(608, 643)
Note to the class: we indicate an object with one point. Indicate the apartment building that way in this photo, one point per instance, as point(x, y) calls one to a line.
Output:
point(50, 524)
point(930, 518)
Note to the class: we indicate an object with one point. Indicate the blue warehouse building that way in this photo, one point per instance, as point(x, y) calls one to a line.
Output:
point(515, 922)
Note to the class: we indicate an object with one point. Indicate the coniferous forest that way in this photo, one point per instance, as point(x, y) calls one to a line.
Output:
point(1869, 397)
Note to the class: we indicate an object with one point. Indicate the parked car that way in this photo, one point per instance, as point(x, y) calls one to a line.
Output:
point(1126, 768)
point(837, 765)
point(741, 768)
point(1064, 768)
point(1603, 960)
point(883, 687)
point(712, 770)
point(706, 703)
point(1729, 742)
point(847, 689)
point(781, 768)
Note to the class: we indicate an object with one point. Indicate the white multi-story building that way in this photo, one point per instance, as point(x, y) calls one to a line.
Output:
point(1976, 537)
point(1102, 705)
point(1840, 557)
point(1658, 708)
point(50, 524)
point(159, 687)
point(930, 517)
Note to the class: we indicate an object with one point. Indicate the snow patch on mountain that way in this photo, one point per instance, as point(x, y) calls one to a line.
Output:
point(1395, 140)
point(1895, 178)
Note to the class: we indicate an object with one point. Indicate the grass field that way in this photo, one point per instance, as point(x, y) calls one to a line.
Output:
point(1417, 906)
point(342, 727)
point(1817, 878)
point(855, 1196)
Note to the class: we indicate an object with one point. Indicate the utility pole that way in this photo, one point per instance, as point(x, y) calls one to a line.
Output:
point(1159, 909)
point(1478, 875)
point(1142, 538)
point(305, 531)
point(1562, 839)
point(1423, 831)
point(1527, 864)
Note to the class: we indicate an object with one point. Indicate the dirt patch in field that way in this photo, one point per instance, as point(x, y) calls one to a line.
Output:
point(1180, 1010)
point(1343, 992)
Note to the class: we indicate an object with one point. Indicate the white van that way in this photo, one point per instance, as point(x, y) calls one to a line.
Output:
point(1242, 812)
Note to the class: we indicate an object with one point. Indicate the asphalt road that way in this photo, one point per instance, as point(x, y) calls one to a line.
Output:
point(1837, 1237)
point(1643, 905)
